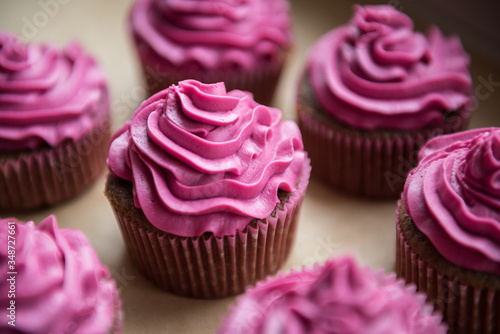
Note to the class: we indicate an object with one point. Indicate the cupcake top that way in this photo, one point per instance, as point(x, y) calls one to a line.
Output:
point(453, 197)
point(60, 286)
point(212, 34)
point(205, 160)
point(47, 95)
point(377, 73)
point(338, 297)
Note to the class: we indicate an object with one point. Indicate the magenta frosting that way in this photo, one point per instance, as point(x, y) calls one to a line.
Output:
point(48, 95)
point(377, 73)
point(453, 197)
point(203, 160)
point(338, 297)
point(211, 34)
point(60, 285)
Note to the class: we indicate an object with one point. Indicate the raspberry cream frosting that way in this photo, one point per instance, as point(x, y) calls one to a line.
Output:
point(453, 197)
point(211, 34)
point(377, 73)
point(338, 297)
point(60, 284)
point(205, 160)
point(47, 95)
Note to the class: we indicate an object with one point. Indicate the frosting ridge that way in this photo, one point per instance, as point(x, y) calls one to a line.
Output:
point(219, 158)
point(376, 72)
point(61, 285)
point(212, 34)
point(47, 95)
point(453, 197)
point(338, 297)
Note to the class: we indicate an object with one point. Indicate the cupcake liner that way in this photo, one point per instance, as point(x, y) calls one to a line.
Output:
point(261, 82)
point(213, 267)
point(466, 309)
point(51, 175)
point(372, 164)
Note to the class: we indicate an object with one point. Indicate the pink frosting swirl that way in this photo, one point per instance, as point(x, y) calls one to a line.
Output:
point(453, 197)
point(376, 72)
point(338, 297)
point(47, 95)
point(212, 34)
point(203, 160)
point(60, 285)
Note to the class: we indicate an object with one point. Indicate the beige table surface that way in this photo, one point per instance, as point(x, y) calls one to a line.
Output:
point(330, 224)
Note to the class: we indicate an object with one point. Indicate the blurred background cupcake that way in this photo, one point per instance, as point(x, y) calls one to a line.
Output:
point(241, 43)
point(54, 123)
point(448, 229)
point(206, 186)
point(373, 92)
point(337, 297)
point(55, 282)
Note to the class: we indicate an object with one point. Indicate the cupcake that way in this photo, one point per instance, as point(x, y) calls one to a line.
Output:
point(54, 123)
point(373, 92)
point(54, 282)
point(241, 43)
point(338, 297)
point(448, 228)
point(206, 186)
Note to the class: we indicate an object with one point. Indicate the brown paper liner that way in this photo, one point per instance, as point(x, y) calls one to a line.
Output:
point(48, 176)
point(466, 309)
point(372, 164)
point(261, 82)
point(213, 267)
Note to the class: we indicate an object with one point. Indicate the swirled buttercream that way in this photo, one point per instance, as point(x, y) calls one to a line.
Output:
point(377, 73)
point(203, 160)
point(58, 284)
point(211, 34)
point(48, 95)
point(338, 297)
point(453, 197)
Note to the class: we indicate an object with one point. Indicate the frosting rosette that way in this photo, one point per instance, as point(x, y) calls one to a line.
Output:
point(58, 285)
point(453, 197)
point(203, 160)
point(212, 34)
point(377, 73)
point(48, 95)
point(338, 297)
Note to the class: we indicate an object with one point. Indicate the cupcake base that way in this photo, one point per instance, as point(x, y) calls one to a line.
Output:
point(262, 83)
point(206, 266)
point(468, 299)
point(364, 163)
point(34, 179)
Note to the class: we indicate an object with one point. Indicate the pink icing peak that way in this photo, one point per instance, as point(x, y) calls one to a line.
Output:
point(61, 285)
point(205, 160)
point(453, 196)
point(376, 72)
point(338, 297)
point(47, 95)
point(211, 34)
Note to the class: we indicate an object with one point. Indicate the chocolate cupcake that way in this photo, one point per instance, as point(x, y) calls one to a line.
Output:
point(338, 297)
point(54, 123)
point(373, 92)
point(241, 43)
point(448, 229)
point(206, 186)
point(55, 282)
